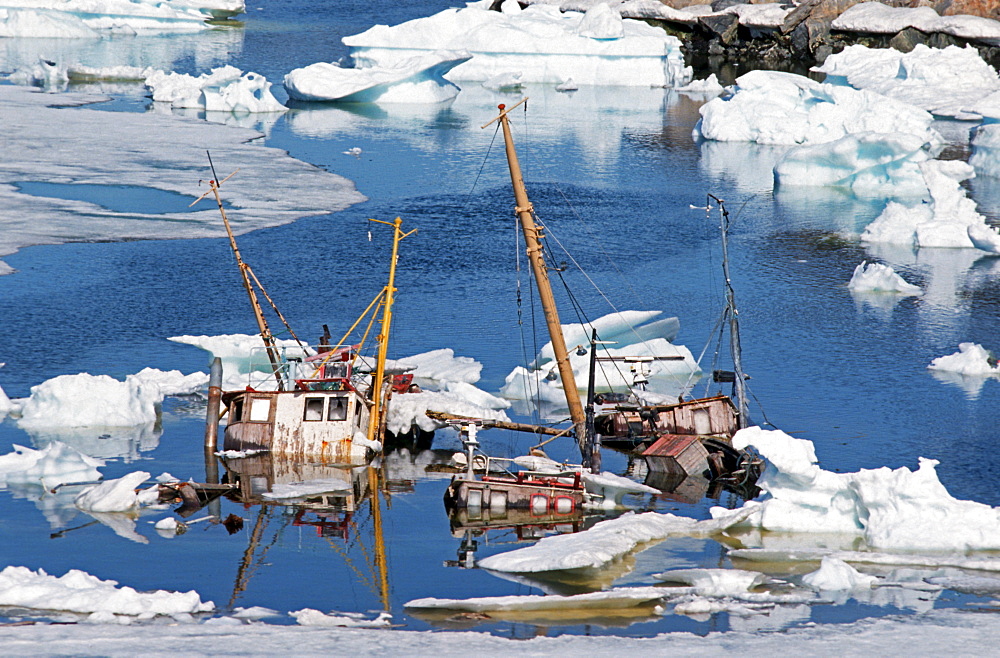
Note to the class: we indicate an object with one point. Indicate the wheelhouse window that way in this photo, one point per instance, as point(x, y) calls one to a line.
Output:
point(314, 409)
point(260, 410)
point(338, 409)
point(236, 411)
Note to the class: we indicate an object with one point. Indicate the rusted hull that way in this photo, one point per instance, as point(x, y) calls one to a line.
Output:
point(499, 495)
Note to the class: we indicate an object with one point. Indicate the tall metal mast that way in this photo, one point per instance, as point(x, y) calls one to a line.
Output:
point(739, 381)
point(532, 239)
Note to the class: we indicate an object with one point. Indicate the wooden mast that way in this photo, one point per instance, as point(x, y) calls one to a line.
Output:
point(532, 239)
point(265, 331)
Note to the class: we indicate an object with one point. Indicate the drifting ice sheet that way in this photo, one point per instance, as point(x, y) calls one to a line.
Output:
point(540, 42)
point(225, 89)
point(619, 597)
point(971, 360)
point(876, 277)
point(148, 150)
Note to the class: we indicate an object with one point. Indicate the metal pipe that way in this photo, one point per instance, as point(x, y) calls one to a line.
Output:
point(214, 400)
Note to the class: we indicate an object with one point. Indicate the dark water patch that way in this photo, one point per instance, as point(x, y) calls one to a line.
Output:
point(117, 198)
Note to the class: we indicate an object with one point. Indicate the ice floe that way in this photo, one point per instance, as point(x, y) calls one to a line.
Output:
point(943, 221)
point(223, 89)
point(772, 107)
point(707, 87)
point(971, 360)
point(149, 151)
point(242, 356)
point(618, 597)
point(407, 411)
point(310, 617)
point(75, 19)
point(888, 508)
point(118, 495)
point(603, 543)
point(870, 164)
point(417, 80)
point(82, 593)
point(946, 82)
point(85, 400)
point(48, 467)
point(714, 582)
point(835, 574)
point(540, 42)
point(876, 277)
point(437, 367)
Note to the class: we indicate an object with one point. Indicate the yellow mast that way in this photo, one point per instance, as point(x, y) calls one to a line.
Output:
point(532, 239)
point(375, 418)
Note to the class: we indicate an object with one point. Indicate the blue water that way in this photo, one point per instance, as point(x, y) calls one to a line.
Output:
point(613, 174)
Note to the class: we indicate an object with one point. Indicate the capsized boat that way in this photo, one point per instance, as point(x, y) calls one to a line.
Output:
point(322, 402)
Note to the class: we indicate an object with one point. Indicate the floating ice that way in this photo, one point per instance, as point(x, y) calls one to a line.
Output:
point(714, 582)
point(117, 495)
point(603, 543)
point(615, 598)
point(613, 488)
point(80, 592)
point(89, 19)
point(567, 85)
point(772, 107)
point(875, 277)
point(504, 82)
point(834, 574)
point(255, 612)
point(49, 467)
point(540, 42)
point(408, 410)
point(708, 87)
point(869, 164)
point(310, 617)
point(986, 145)
point(45, 74)
point(971, 360)
point(149, 151)
point(877, 18)
point(241, 354)
point(417, 80)
point(224, 89)
point(943, 222)
point(944, 81)
point(898, 509)
point(438, 367)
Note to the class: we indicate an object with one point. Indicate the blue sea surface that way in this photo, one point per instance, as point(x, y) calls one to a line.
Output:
point(617, 179)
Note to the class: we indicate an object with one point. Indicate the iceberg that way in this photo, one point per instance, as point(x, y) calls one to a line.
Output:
point(224, 89)
point(946, 82)
point(92, 18)
point(48, 467)
point(118, 495)
point(417, 80)
point(875, 277)
point(772, 107)
point(869, 164)
point(438, 367)
point(971, 360)
point(944, 221)
point(543, 44)
point(895, 509)
point(409, 410)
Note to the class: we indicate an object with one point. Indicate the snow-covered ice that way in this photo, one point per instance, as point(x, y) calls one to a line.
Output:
point(417, 80)
point(971, 360)
point(603, 543)
point(888, 508)
point(118, 495)
point(540, 42)
point(48, 467)
point(310, 617)
point(835, 574)
point(943, 221)
point(772, 107)
point(618, 597)
point(714, 582)
point(224, 89)
point(437, 367)
point(877, 18)
point(946, 82)
point(408, 410)
point(75, 19)
point(876, 277)
point(709, 86)
point(82, 593)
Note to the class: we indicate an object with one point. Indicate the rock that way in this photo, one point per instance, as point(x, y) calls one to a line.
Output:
point(984, 8)
point(907, 39)
point(723, 26)
point(719, 5)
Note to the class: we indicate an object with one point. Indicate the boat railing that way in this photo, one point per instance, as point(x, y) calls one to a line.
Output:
point(306, 367)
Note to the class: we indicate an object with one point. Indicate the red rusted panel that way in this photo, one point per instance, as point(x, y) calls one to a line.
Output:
point(677, 453)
